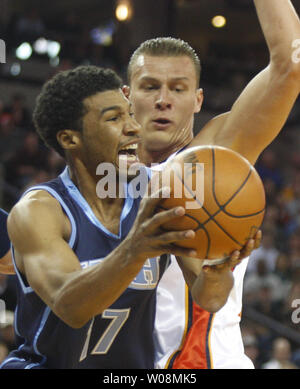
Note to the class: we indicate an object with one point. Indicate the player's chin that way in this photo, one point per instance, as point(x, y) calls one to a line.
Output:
point(158, 140)
point(162, 132)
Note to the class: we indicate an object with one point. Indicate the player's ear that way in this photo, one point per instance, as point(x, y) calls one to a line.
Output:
point(126, 90)
point(68, 139)
point(198, 100)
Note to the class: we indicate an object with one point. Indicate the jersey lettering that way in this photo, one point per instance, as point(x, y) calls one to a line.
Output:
point(146, 279)
point(118, 318)
point(148, 276)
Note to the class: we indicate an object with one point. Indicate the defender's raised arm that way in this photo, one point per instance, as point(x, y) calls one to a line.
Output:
point(263, 107)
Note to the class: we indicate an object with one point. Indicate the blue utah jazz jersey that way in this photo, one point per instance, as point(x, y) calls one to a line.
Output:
point(120, 337)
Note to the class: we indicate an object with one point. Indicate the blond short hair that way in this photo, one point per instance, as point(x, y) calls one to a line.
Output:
point(165, 47)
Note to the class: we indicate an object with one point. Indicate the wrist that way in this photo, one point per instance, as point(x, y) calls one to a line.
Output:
point(216, 273)
point(130, 252)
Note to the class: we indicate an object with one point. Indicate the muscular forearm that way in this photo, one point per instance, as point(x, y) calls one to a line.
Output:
point(211, 289)
point(209, 285)
point(281, 27)
point(89, 292)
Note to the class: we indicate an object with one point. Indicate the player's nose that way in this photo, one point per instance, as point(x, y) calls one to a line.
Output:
point(131, 127)
point(163, 100)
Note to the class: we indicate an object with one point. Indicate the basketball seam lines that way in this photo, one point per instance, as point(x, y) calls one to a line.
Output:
point(222, 207)
point(200, 226)
point(211, 217)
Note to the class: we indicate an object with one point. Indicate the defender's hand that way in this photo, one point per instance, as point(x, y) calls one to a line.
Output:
point(236, 257)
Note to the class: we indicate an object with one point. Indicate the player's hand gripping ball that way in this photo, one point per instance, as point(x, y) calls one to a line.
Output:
point(223, 196)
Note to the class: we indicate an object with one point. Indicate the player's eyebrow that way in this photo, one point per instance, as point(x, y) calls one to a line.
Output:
point(152, 79)
point(111, 108)
point(114, 108)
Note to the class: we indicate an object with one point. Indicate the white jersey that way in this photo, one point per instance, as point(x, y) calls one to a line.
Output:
point(187, 337)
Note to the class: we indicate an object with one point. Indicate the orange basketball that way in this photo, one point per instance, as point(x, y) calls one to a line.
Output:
point(224, 199)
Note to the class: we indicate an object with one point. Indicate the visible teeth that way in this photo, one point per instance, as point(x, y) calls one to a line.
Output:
point(130, 147)
point(127, 157)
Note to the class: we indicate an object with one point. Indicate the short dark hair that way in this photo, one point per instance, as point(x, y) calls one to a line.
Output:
point(60, 104)
point(165, 47)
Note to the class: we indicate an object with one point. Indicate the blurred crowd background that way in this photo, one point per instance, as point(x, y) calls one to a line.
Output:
point(89, 33)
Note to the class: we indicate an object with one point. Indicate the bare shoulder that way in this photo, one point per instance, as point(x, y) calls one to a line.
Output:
point(35, 204)
point(207, 135)
point(37, 213)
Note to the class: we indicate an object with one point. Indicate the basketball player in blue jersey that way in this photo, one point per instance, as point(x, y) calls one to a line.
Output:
point(164, 91)
point(88, 267)
point(5, 254)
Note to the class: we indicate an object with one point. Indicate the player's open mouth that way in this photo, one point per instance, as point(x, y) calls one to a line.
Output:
point(129, 153)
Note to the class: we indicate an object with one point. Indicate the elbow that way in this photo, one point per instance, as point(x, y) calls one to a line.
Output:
point(70, 312)
point(293, 73)
point(69, 316)
point(75, 322)
point(287, 70)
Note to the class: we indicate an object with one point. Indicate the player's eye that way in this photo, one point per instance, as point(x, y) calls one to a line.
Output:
point(113, 119)
point(150, 87)
point(179, 88)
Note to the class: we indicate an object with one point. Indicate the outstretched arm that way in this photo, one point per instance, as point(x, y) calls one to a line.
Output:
point(263, 107)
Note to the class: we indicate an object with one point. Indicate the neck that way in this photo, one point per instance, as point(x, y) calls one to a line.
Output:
point(107, 210)
point(149, 156)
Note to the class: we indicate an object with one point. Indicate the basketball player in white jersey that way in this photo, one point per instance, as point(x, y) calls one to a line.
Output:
point(164, 91)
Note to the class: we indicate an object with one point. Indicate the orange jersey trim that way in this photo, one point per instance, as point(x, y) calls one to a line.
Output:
point(196, 350)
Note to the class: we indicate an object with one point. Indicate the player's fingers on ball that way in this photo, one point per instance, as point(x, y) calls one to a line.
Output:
point(257, 239)
point(166, 215)
point(180, 251)
point(247, 249)
point(250, 246)
point(234, 258)
point(235, 255)
point(176, 236)
point(153, 224)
